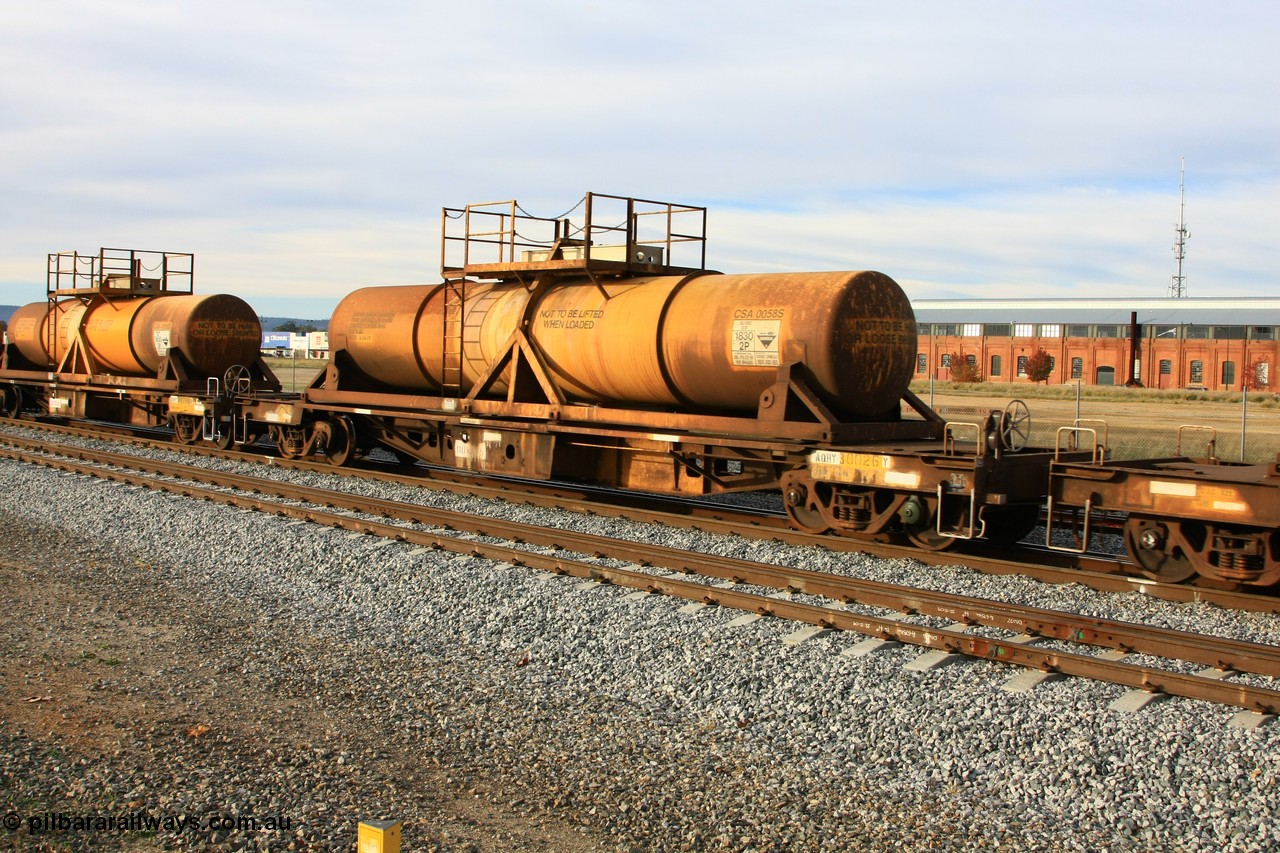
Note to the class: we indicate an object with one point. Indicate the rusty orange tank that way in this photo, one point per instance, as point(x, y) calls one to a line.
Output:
point(133, 337)
point(703, 341)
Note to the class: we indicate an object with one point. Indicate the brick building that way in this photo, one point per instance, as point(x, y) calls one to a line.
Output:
point(1193, 342)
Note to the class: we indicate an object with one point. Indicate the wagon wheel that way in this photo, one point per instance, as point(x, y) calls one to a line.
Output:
point(921, 526)
point(10, 401)
point(807, 519)
point(802, 510)
point(237, 379)
point(1146, 541)
point(339, 441)
point(186, 429)
point(1015, 426)
point(927, 538)
point(224, 438)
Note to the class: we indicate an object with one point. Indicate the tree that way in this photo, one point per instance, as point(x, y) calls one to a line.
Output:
point(295, 327)
point(1039, 366)
point(964, 368)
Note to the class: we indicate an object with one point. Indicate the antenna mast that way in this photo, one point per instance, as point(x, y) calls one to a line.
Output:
point(1178, 287)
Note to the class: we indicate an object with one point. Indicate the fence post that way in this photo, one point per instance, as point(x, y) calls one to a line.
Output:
point(1244, 418)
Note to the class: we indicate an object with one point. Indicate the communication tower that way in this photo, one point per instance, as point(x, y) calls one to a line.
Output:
point(1178, 287)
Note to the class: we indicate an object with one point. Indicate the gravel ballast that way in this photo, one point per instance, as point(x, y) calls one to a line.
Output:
point(489, 707)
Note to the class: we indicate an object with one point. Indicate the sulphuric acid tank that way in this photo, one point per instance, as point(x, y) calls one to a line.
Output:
point(705, 342)
point(133, 336)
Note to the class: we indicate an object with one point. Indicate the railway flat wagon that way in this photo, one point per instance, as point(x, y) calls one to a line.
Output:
point(1185, 516)
point(600, 348)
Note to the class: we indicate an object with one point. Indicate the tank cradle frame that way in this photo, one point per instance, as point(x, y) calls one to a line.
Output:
point(529, 435)
point(943, 490)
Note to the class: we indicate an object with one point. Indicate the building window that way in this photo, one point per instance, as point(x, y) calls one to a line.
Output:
point(944, 329)
point(1077, 331)
point(922, 363)
point(1112, 332)
point(972, 330)
point(1053, 363)
point(1106, 376)
point(946, 359)
point(1022, 330)
point(1166, 367)
point(972, 360)
point(1262, 375)
point(997, 330)
point(1229, 333)
point(1263, 333)
point(1197, 372)
point(1166, 332)
point(995, 365)
point(1077, 368)
point(1228, 373)
point(1022, 366)
point(1197, 332)
point(1050, 330)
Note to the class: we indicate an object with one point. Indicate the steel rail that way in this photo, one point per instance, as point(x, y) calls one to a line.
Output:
point(1218, 652)
point(1222, 653)
point(1099, 573)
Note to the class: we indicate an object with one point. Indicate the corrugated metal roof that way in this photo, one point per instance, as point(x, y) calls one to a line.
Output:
point(1208, 311)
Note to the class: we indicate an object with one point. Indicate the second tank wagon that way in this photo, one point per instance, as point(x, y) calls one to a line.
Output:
point(122, 337)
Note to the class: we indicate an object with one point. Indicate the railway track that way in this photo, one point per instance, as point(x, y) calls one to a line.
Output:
point(1105, 573)
point(661, 570)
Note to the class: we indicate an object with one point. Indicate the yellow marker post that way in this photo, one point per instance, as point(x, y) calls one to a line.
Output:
point(378, 836)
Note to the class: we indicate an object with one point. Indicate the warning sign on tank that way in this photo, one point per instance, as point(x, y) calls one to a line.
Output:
point(756, 343)
point(160, 337)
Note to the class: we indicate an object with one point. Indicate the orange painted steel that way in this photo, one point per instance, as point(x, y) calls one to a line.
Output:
point(708, 342)
point(133, 336)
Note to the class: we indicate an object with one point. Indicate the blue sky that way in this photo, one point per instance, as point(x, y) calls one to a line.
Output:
point(303, 149)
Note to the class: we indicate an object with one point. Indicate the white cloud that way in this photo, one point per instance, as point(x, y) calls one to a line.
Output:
point(987, 148)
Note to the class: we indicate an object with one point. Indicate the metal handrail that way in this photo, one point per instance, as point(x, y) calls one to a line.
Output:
point(1211, 451)
point(1099, 450)
point(498, 232)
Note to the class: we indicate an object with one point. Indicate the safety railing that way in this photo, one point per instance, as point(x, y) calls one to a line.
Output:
point(616, 230)
point(123, 272)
